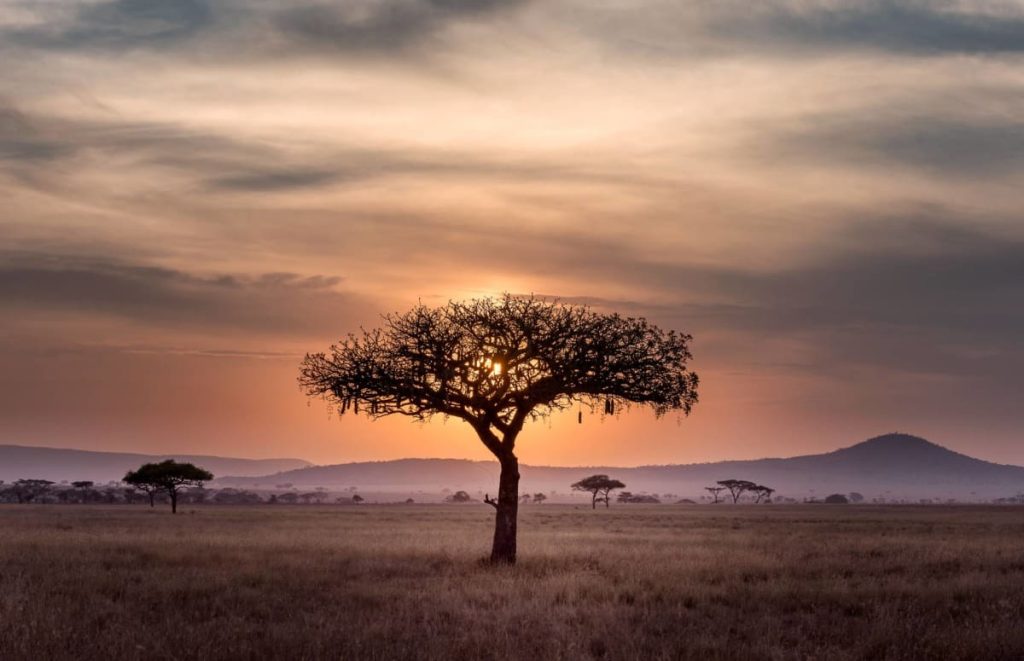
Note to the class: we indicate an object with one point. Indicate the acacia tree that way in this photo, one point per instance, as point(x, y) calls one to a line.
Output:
point(498, 363)
point(737, 487)
point(169, 476)
point(714, 491)
point(599, 486)
point(762, 493)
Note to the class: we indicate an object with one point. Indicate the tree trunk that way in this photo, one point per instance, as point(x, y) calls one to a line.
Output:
point(593, 501)
point(152, 499)
point(504, 549)
point(174, 502)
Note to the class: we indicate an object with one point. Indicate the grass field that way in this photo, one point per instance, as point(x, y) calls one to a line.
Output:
point(632, 582)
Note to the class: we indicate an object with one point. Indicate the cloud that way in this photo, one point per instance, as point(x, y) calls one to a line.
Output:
point(241, 28)
point(924, 27)
point(925, 294)
point(118, 25)
point(376, 26)
point(22, 141)
point(965, 148)
point(274, 179)
point(284, 304)
point(797, 27)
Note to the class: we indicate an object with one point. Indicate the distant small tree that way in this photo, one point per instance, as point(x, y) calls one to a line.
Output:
point(311, 496)
point(714, 491)
point(599, 486)
point(737, 488)
point(539, 498)
point(524, 499)
point(168, 476)
point(837, 499)
point(459, 497)
point(762, 493)
point(83, 484)
point(356, 498)
point(651, 499)
point(288, 498)
point(855, 497)
point(27, 491)
point(409, 501)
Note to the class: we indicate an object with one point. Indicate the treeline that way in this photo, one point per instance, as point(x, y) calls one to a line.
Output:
point(117, 493)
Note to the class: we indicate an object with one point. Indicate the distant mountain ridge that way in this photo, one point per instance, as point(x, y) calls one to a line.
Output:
point(57, 464)
point(894, 466)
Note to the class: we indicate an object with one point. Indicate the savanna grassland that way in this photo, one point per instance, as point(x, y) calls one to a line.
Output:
point(406, 582)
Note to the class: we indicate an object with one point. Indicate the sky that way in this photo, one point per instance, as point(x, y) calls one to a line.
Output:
point(827, 195)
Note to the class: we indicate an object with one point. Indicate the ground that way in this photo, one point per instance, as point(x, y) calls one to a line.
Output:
point(406, 582)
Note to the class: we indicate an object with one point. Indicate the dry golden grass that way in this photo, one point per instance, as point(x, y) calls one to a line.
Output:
point(405, 582)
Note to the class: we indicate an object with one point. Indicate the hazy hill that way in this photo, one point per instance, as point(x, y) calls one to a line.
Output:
point(17, 461)
point(893, 466)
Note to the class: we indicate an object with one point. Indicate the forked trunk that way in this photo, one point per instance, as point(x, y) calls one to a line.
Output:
point(506, 511)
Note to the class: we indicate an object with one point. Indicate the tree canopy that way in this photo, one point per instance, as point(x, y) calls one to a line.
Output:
point(496, 363)
point(599, 486)
point(169, 476)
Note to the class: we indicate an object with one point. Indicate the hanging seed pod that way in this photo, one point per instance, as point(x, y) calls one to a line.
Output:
point(355, 407)
point(579, 417)
point(611, 406)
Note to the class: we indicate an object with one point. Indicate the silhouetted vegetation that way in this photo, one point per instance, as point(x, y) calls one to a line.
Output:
point(837, 499)
point(715, 491)
point(459, 497)
point(737, 488)
point(627, 497)
point(168, 476)
point(496, 364)
point(599, 487)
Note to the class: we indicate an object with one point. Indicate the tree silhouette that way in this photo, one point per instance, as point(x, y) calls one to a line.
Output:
point(459, 497)
point(599, 487)
point(539, 498)
point(761, 492)
point(737, 487)
point(497, 363)
point(714, 493)
point(27, 491)
point(169, 476)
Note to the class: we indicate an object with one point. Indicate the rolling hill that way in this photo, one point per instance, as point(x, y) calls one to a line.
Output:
point(893, 466)
point(57, 464)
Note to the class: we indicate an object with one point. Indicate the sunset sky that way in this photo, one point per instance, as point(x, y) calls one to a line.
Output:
point(827, 195)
